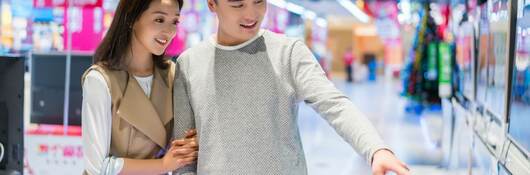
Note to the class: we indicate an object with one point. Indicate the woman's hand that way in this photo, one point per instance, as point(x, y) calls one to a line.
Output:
point(182, 152)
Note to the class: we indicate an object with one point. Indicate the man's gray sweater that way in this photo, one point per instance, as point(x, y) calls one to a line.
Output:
point(244, 99)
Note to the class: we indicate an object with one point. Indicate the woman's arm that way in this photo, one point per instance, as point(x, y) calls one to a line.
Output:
point(96, 126)
point(182, 152)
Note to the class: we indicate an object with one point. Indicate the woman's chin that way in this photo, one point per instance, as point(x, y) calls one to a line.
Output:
point(158, 53)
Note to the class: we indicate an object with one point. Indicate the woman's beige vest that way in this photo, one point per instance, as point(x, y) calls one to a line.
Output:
point(141, 126)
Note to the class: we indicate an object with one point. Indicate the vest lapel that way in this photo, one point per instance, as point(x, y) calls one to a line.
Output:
point(161, 96)
point(138, 110)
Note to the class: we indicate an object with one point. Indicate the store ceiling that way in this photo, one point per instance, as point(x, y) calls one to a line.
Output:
point(327, 8)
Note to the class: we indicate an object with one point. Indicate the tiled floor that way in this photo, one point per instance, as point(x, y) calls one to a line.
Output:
point(415, 139)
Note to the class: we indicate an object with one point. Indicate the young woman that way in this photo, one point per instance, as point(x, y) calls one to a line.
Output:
point(127, 95)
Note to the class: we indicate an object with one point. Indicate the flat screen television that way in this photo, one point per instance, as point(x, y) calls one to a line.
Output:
point(483, 41)
point(465, 57)
point(519, 115)
point(12, 70)
point(48, 72)
point(497, 84)
point(80, 63)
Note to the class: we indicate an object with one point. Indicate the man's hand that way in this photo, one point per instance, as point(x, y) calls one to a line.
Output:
point(384, 161)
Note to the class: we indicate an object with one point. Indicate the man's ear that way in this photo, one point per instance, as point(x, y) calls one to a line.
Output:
point(212, 5)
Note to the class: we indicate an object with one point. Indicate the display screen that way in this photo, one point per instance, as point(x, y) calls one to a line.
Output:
point(499, 16)
point(465, 57)
point(483, 54)
point(48, 88)
point(520, 98)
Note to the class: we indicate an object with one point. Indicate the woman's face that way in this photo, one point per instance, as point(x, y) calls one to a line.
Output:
point(157, 26)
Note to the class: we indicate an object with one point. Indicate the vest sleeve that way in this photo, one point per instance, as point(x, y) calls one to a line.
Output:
point(317, 91)
point(96, 127)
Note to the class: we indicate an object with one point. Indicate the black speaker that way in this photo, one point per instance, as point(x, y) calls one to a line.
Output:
point(3, 133)
point(12, 70)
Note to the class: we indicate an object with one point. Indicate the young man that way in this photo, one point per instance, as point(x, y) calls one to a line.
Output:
point(241, 90)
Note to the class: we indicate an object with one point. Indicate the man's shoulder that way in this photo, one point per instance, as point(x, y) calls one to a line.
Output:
point(197, 50)
point(279, 39)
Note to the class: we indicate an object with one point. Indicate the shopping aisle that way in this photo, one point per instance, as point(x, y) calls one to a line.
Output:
point(415, 139)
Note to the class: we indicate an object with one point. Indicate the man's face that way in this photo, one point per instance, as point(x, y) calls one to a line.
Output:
point(239, 20)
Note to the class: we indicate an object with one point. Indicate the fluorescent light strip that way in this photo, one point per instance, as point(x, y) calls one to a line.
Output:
point(321, 22)
point(295, 8)
point(354, 10)
point(309, 15)
point(278, 3)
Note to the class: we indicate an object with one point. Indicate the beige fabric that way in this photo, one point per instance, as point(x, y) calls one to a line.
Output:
point(141, 126)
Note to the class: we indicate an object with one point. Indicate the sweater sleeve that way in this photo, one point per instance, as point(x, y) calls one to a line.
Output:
point(183, 116)
point(316, 90)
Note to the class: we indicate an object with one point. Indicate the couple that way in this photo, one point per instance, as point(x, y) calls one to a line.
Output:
point(228, 106)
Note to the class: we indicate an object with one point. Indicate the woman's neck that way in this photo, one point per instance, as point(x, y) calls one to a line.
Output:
point(140, 61)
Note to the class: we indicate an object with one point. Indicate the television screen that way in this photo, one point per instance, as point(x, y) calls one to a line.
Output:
point(497, 84)
point(465, 57)
point(48, 88)
point(79, 64)
point(483, 54)
point(520, 97)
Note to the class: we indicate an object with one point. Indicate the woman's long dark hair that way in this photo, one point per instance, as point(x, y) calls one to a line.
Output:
point(111, 52)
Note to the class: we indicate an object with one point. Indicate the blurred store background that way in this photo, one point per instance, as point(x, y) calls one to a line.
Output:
point(445, 82)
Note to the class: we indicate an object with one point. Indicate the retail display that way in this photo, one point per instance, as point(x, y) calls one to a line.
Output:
point(483, 54)
point(421, 73)
point(520, 97)
point(496, 84)
point(466, 60)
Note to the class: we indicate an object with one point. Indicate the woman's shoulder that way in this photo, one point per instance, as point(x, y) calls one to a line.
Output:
point(94, 84)
point(93, 77)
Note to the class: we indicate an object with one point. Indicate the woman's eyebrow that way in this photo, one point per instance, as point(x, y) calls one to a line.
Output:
point(164, 13)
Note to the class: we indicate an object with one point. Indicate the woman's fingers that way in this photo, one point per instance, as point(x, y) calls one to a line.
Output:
point(192, 143)
point(191, 133)
point(182, 151)
point(189, 143)
point(179, 142)
point(193, 154)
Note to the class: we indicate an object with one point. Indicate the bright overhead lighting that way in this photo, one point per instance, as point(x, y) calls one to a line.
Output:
point(277, 3)
point(295, 8)
point(354, 10)
point(321, 22)
point(309, 14)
